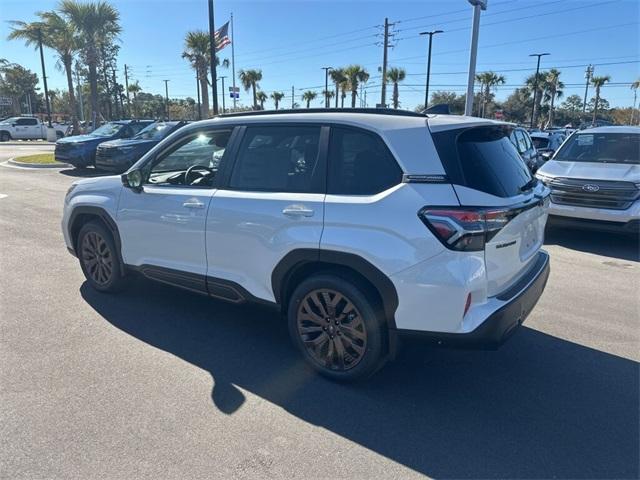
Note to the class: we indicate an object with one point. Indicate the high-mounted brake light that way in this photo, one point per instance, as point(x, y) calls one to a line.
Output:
point(464, 229)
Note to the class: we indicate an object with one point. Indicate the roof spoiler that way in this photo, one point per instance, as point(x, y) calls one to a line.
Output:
point(438, 109)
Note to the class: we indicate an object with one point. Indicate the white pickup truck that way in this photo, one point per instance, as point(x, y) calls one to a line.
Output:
point(27, 128)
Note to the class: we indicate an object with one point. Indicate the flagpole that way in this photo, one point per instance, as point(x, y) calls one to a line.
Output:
point(212, 45)
point(233, 62)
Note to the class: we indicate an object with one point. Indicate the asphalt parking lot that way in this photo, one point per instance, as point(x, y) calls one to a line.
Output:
point(161, 383)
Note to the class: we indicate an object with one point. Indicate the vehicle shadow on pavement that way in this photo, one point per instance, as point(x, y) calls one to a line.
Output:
point(540, 407)
point(84, 172)
point(620, 246)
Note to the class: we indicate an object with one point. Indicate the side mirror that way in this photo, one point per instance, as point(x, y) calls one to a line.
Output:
point(546, 155)
point(133, 180)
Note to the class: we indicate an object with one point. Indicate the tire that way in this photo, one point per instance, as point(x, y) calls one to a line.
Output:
point(5, 136)
point(99, 258)
point(347, 347)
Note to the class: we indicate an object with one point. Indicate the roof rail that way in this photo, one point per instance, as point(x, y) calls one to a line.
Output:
point(375, 111)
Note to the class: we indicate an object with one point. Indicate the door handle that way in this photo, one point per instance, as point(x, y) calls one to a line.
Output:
point(297, 211)
point(193, 204)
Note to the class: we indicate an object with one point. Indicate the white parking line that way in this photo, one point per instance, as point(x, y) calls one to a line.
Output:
point(2, 195)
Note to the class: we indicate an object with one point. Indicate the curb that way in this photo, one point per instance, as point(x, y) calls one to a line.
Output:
point(36, 143)
point(15, 163)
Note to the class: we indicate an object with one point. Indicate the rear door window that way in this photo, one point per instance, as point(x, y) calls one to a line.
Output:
point(484, 159)
point(278, 159)
point(360, 163)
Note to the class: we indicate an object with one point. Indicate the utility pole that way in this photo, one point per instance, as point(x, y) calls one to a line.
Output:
point(126, 87)
point(212, 45)
point(383, 96)
point(633, 109)
point(326, 86)
point(535, 87)
point(426, 93)
point(293, 98)
point(222, 78)
point(44, 78)
point(166, 99)
point(365, 99)
point(198, 92)
point(478, 6)
point(588, 73)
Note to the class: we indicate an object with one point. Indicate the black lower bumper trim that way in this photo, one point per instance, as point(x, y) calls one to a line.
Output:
point(631, 227)
point(498, 327)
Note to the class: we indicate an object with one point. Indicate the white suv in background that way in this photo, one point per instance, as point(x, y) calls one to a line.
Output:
point(359, 225)
point(595, 180)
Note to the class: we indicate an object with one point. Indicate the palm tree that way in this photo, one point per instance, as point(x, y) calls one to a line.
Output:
point(488, 80)
point(308, 96)
point(598, 83)
point(277, 96)
point(197, 52)
point(328, 95)
point(552, 90)
point(396, 75)
point(95, 23)
point(634, 86)
point(355, 74)
point(344, 87)
point(337, 77)
point(536, 91)
point(57, 34)
point(261, 97)
point(249, 80)
point(135, 88)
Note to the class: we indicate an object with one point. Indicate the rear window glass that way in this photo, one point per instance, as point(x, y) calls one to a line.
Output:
point(540, 142)
point(601, 147)
point(484, 159)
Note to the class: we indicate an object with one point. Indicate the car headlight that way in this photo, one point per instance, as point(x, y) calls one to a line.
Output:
point(69, 190)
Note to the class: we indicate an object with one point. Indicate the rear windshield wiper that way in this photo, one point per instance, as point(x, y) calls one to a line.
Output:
point(529, 185)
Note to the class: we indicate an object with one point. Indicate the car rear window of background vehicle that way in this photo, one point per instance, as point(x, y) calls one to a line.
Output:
point(482, 158)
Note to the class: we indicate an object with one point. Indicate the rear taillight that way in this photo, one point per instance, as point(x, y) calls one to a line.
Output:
point(465, 229)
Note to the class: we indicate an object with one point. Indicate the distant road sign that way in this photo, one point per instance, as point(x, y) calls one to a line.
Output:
point(237, 89)
point(6, 101)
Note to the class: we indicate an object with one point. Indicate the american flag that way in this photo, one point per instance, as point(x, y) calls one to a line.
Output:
point(221, 37)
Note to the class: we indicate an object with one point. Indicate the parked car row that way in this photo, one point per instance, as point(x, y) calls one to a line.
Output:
point(114, 146)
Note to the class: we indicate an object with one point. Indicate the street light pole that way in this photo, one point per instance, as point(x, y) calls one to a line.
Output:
point(166, 99)
point(478, 6)
point(222, 78)
point(535, 86)
point(326, 86)
point(426, 93)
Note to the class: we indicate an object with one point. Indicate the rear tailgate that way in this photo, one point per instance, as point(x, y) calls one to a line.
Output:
point(510, 251)
point(489, 176)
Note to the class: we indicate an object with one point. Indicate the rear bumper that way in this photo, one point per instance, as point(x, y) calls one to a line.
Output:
point(515, 305)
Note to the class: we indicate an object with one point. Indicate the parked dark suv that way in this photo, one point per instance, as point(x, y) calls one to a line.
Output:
point(80, 150)
point(118, 155)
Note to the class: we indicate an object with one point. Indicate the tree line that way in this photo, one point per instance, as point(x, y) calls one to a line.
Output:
point(84, 36)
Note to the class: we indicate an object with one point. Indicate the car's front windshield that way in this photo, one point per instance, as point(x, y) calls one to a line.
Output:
point(10, 120)
point(601, 148)
point(107, 130)
point(155, 131)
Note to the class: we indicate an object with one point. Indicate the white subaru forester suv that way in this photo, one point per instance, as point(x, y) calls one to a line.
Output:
point(359, 225)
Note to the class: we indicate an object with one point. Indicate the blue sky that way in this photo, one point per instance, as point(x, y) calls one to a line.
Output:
point(291, 41)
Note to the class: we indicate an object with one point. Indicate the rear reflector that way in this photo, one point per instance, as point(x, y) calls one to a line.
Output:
point(467, 305)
